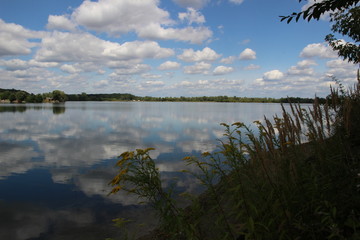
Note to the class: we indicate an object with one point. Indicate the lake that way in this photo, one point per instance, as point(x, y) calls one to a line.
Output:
point(56, 160)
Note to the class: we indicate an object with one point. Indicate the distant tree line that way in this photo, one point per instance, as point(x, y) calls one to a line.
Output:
point(20, 96)
point(13, 95)
point(102, 97)
point(209, 99)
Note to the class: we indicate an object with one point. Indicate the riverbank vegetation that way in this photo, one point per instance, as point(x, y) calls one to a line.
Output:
point(296, 177)
point(19, 96)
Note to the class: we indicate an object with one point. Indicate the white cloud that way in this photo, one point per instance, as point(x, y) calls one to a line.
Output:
point(342, 70)
point(306, 63)
point(143, 17)
point(198, 68)
point(217, 84)
point(197, 4)
point(14, 64)
point(252, 67)
point(168, 65)
point(101, 84)
point(309, 3)
point(60, 22)
point(221, 70)
point(83, 47)
point(153, 84)
point(273, 75)
point(35, 63)
point(320, 50)
point(238, 2)
point(15, 39)
point(303, 68)
point(70, 69)
point(122, 63)
point(247, 54)
point(192, 16)
point(137, 49)
point(189, 34)
point(207, 54)
point(339, 63)
point(295, 70)
point(228, 60)
point(133, 69)
point(151, 76)
point(119, 16)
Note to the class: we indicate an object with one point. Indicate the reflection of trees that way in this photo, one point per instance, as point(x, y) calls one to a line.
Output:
point(11, 108)
point(58, 108)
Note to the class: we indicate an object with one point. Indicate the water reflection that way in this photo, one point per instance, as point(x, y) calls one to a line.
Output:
point(56, 160)
point(58, 108)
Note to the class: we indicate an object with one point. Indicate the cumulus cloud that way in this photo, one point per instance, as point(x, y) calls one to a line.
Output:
point(14, 64)
point(303, 68)
point(320, 50)
point(273, 75)
point(306, 63)
point(195, 35)
point(192, 16)
point(169, 65)
point(15, 39)
point(81, 47)
point(247, 54)
point(339, 63)
point(216, 84)
point(150, 76)
point(221, 70)
point(70, 69)
point(143, 17)
point(342, 70)
point(207, 54)
point(153, 84)
point(137, 49)
point(295, 70)
point(228, 60)
point(131, 70)
point(198, 68)
point(60, 22)
point(197, 4)
point(119, 16)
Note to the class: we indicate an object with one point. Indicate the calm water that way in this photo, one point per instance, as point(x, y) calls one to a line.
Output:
point(56, 160)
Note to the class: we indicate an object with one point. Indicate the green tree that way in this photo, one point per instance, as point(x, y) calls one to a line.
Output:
point(58, 95)
point(345, 16)
point(39, 98)
point(4, 95)
point(21, 96)
point(83, 97)
point(12, 97)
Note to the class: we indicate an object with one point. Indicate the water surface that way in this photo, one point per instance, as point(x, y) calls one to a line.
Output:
point(56, 159)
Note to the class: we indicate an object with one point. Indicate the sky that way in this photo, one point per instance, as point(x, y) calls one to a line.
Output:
point(167, 48)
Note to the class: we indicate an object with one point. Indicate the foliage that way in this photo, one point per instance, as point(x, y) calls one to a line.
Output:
point(20, 96)
point(296, 177)
point(345, 14)
point(347, 23)
point(59, 96)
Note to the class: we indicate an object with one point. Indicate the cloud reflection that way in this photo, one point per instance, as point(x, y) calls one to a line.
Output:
point(88, 133)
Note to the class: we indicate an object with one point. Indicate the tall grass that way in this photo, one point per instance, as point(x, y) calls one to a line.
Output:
point(297, 177)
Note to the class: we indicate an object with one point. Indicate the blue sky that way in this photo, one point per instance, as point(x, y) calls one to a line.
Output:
point(166, 48)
